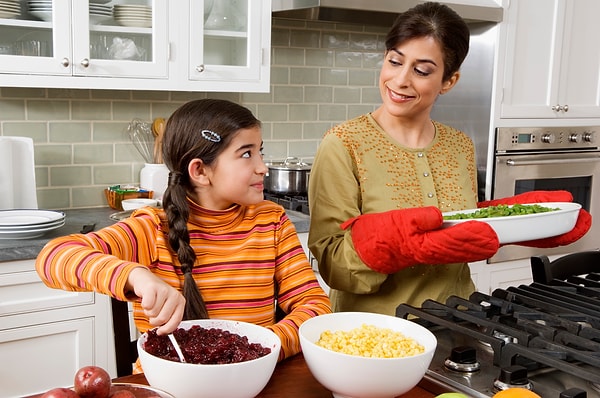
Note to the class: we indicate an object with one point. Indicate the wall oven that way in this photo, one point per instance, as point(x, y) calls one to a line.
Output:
point(551, 158)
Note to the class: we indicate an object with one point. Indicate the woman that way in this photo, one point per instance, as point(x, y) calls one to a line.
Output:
point(380, 181)
point(217, 249)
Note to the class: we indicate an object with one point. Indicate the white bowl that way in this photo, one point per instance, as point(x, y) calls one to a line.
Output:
point(511, 229)
point(132, 204)
point(235, 380)
point(357, 376)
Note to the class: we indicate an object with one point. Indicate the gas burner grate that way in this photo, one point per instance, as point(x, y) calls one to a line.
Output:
point(296, 203)
point(539, 327)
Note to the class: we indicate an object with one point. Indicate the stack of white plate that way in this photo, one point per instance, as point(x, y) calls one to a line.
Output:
point(27, 224)
point(10, 8)
point(41, 9)
point(133, 15)
point(100, 13)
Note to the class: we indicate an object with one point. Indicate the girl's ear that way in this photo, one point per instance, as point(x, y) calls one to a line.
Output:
point(198, 173)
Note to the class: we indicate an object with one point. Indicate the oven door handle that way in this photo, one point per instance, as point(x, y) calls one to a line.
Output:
point(512, 162)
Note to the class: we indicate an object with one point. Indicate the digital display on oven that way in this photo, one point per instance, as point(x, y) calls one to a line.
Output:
point(524, 138)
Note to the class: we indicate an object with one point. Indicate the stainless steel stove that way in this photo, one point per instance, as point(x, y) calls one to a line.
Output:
point(541, 337)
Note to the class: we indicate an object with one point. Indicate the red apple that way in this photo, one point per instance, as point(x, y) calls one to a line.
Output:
point(60, 392)
point(92, 382)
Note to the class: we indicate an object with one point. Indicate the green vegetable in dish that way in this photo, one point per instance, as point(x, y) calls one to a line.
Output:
point(501, 211)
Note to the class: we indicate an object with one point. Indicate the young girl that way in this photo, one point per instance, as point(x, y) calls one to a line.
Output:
point(232, 254)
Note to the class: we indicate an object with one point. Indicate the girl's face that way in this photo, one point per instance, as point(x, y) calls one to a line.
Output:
point(236, 176)
point(411, 78)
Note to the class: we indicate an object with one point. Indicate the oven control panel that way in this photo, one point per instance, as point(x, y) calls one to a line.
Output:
point(543, 138)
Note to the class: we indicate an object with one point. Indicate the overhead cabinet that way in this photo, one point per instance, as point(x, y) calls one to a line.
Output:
point(195, 45)
point(552, 60)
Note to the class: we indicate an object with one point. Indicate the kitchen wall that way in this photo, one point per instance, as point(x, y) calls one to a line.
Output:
point(321, 74)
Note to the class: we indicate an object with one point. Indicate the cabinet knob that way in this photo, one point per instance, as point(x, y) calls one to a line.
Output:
point(85, 62)
point(559, 108)
point(200, 68)
point(65, 62)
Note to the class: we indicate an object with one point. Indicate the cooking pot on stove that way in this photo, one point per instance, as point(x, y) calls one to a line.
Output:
point(289, 177)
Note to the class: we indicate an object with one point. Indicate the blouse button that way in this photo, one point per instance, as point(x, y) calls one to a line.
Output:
point(425, 174)
point(430, 195)
point(420, 154)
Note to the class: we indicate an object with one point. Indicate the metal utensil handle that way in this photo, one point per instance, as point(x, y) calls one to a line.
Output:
point(512, 162)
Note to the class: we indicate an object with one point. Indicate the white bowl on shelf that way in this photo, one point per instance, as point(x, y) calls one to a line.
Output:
point(96, 19)
point(41, 14)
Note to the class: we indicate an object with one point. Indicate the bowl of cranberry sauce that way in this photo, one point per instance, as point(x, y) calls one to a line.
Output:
point(224, 358)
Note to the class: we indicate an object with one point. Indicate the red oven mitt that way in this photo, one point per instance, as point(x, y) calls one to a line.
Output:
point(390, 241)
point(582, 226)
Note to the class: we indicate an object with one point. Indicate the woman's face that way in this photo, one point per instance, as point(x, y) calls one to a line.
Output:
point(411, 78)
point(237, 174)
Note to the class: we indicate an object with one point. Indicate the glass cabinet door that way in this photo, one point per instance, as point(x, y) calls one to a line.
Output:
point(119, 38)
point(34, 36)
point(223, 35)
point(125, 38)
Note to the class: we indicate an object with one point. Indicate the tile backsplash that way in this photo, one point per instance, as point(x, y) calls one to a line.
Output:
point(321, 74)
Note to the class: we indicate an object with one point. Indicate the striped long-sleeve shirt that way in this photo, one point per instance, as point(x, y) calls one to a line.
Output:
point(248, 261)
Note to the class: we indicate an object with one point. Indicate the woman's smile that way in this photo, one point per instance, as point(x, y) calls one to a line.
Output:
point(397, 97)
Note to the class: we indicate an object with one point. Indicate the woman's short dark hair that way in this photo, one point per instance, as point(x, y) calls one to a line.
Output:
point(439, 22)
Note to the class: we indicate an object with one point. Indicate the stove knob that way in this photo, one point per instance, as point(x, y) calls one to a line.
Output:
point(573, 393)
point(575, 137)
point(589, 136)
point(548, 138)
point(463, 359)
point(511, 377)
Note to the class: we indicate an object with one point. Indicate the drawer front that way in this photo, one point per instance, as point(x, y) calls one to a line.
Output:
point(22, 292)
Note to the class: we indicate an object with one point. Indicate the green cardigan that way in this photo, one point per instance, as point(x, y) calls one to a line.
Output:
point(359, 169)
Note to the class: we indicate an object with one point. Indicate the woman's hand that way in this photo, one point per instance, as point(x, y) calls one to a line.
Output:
point(390, 241)
point(162, 304)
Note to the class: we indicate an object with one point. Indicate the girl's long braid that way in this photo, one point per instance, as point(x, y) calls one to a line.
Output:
point(179, 238)
point(184, 141)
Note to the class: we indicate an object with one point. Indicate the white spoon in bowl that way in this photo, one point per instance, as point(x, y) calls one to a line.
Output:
point(177, 348)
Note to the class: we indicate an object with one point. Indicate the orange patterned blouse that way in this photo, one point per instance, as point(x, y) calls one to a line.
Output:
point(249, 260)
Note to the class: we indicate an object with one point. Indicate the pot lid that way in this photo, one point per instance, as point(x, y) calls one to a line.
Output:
point(291, 163)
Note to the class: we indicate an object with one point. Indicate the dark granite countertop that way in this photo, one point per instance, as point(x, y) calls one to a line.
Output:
point(26, 249)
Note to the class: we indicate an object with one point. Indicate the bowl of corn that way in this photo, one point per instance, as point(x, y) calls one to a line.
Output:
point(367, 355)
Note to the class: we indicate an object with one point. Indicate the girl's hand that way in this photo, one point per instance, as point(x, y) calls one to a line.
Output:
point(162, 304)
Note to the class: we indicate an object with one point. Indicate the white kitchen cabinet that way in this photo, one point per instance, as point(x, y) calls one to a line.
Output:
point(46, 334)
point(70, 43)
point(235, 50)
point(181, 49)
point(551, 61)
point(489, 277)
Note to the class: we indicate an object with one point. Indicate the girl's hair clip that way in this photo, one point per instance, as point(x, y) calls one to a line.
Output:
point(210, 136)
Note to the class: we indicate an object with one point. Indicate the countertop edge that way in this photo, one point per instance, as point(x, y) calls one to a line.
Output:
point(75, 219)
